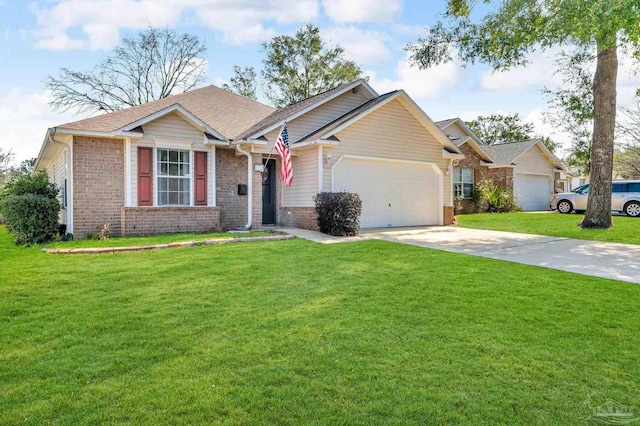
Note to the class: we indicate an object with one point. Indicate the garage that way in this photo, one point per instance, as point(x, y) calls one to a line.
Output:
point(393, 192)
point(532, 192)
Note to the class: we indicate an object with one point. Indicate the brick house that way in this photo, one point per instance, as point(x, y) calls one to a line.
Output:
point(526, 168)
point(197, 162)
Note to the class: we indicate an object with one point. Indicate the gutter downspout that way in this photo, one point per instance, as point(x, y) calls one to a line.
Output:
point(50, 133)
point(249, 186)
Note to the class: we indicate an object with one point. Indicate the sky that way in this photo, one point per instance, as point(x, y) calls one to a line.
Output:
point(39, 37)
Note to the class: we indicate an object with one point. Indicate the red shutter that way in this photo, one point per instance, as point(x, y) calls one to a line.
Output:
point(200, 178)
point(145, 176)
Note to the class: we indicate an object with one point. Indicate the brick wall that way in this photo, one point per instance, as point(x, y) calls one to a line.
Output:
point(161, 220)
point(98, 184)
point(299, 217)
point(502, 176)
point(471, 161)
point(231, 170)
point(448, 215)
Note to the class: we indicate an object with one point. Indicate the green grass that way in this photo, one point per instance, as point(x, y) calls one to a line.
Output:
point(293, 332)
point(140, 241)
point(625, 230)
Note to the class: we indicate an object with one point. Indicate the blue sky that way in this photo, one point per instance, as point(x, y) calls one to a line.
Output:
point(38, 38)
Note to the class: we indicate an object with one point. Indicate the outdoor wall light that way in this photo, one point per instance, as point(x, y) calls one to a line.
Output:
point(327, 160)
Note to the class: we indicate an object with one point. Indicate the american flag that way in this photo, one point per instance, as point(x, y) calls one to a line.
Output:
point(282, 148)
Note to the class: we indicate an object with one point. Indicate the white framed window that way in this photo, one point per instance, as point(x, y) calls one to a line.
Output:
point(462, 182)
point(174, 177)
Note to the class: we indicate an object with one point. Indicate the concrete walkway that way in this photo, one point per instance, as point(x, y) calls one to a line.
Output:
point(598, 259)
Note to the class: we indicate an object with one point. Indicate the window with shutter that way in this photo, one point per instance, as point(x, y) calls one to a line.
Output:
point(200, 179)
point(145, 176)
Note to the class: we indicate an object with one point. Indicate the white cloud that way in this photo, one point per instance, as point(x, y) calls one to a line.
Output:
point(539, 72)
point(101, 21)
point(24, 118)
point(419, 84)
point(361, 46)
point(541, 128)
point(362, 10)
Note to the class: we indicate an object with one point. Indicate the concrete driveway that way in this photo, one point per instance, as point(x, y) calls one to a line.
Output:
point(598, 259)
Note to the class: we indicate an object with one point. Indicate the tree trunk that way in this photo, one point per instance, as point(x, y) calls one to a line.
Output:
point(598, 214)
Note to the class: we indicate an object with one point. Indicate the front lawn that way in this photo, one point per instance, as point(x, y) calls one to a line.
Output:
point(626, 229)
point(293, 332)
point(151, 240)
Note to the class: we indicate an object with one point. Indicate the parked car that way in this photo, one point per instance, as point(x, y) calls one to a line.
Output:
point(625, 198)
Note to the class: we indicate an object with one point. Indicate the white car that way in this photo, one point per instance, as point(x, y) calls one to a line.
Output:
point(625, 198)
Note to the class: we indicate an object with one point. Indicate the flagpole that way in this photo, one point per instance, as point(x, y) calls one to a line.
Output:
point(266, 164)
point(273, 146)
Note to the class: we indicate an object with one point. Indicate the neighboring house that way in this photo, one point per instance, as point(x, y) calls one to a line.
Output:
point(527, 168)
point(197, 162)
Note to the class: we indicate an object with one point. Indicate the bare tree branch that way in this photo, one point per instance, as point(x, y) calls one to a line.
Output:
point(151, 65)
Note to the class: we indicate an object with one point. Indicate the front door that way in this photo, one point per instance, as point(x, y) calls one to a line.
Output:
point(269, 193)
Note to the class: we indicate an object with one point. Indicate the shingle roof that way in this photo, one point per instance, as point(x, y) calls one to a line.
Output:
point(346, 117)
point(505, 153)
point(289, 110)
point(444, 123)
point(224, 111)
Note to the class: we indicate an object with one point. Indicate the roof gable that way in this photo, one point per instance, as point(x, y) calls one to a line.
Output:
point(290, 112)
point(331, 129)
point(508, 153)
point(180, 111)
point(225, 112)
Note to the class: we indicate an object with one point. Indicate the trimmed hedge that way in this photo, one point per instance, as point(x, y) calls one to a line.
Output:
point(338, 213)
point(30, 208)
point(31, 218)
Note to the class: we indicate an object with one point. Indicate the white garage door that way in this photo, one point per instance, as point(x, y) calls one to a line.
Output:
point(532, 192)
point(392, 193)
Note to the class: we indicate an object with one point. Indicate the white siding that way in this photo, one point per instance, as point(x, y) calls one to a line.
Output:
point(389, 132)
point(533, 191)
point(169, 128)
point(305, 179)
point(57, 174)
point(457, 131)
point(324, 114)
point(534, 161)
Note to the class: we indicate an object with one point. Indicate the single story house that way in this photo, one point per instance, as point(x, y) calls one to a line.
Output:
point(526, 168)
point(197, 161)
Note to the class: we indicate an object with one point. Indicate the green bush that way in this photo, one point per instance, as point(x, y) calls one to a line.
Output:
point(338, 213)
point(30, 208)
point(494, 198)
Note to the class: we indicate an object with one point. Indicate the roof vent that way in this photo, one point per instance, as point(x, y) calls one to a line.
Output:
point(354, 90)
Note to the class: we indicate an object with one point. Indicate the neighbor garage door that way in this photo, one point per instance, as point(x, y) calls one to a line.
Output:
point(392, 193)
point(532, 192)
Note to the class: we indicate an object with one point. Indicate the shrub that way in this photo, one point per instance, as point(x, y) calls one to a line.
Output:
point(338, 213)
point(493, 198)
point(30, 208)
point(31, 218)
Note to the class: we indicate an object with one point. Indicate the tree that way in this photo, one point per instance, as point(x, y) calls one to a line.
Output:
point(6, 158)
point(25, 168)
point(244, 82)
point(151, 65)
point(301, 66)
point(628, 126)
point(572, 106)
point(498, 128)
point(504, 37)
point(627, 162)
point(627, 156)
